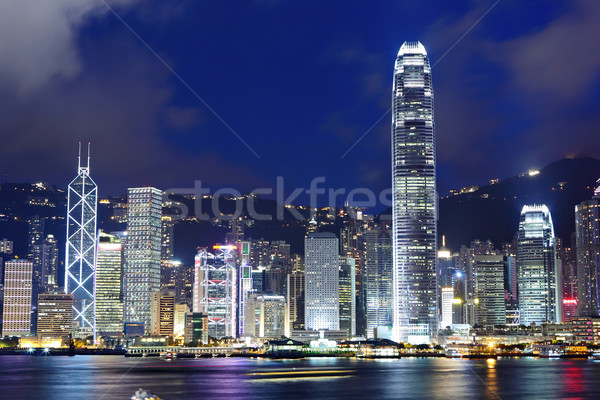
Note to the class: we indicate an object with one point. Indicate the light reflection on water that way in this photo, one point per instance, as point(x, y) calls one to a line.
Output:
point(113, 377)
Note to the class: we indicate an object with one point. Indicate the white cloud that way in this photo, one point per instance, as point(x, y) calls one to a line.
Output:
point(38, 40)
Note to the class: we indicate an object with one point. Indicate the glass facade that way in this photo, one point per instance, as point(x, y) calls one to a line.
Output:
point(414, 197)
point(142, 257)
point(587, 230)
point(109, 286)
point(80, 253)
point(537, 266)
point(378, 279)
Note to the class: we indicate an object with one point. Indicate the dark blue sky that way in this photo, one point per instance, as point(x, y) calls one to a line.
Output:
point(300, 82)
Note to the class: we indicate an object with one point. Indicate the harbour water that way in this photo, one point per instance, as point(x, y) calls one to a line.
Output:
point(117, 377)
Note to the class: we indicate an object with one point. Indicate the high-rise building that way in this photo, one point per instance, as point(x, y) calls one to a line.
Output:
point(587, 230)
point(377, 280)
point(142, 255)
point(447, 300)
point(181, 310)
point(109, 285)
point(215, 289)
point(196, 332)
point(245, 285)
point(35, 233)
point(414, 197)
point(82, 204)
point(16, 311)
point(490, 306)
point(322, 282)
point(6, 246)
point(537, 266)
point(265, 316)
point(55, 317)
point(347, 289)
point(295, 299)
point(162, 313)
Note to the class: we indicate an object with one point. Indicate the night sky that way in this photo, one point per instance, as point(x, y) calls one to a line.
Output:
point(298, 81)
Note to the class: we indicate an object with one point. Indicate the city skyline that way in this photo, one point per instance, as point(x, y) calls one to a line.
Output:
point(184, 140)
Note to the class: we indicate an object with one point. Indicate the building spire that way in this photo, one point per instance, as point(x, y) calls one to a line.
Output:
point(79, 158)
point(88, 160)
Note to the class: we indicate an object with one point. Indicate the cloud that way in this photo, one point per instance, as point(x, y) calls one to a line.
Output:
point(38, 40)
point(562, 59)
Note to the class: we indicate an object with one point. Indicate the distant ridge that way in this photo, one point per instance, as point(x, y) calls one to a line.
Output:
point(492, 211)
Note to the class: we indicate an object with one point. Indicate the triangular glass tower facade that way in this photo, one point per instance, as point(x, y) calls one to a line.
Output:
point(81, 246)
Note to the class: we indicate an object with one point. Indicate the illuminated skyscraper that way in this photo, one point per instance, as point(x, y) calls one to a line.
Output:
point(537, 266)
point(81, 246)
point(347, 289)
point(142, 256)
point(490, 306)
point(245, 285)
point(414, 197)
point(378, 280)
point(109, 285)
point(322, 282)
point(215, 289)
point(587, 229)
point(16, 312)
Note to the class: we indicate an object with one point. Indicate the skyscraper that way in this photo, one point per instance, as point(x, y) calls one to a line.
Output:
point(490, 306)
point(378, 280)
point(55, 317)
point(109, 285)
point(414, 197)
point(215, 289)
point(80, 253)
point(587, 229)
point(142, 257)
point(163, 313)
point(16, 312)
point(322, 282)
point(347, 289)
point(537, 266)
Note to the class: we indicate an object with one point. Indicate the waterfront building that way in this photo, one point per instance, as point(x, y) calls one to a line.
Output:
point(162, 319)
point(587, 230)
point(16, 310)
point(109, 285)
point(244, 284)
point(585, 329)
point(80, 253)
point(55, 318)
point(536, 256)
point(142, 254)
point(347, 297)
point(321, 307)
point(490, 306)
point(377, 279)
point(266, 316)
point(215, 289)
point(414, 197)
point(181, 310)
point(196, 332)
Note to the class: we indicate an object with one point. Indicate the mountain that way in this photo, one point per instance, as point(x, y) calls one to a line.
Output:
point(492, 211)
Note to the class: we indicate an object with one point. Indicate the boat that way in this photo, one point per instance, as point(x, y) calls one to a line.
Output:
point(142, 394)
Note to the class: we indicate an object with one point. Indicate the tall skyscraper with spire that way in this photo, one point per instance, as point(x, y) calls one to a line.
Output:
point(81, 245)
point(414, 197)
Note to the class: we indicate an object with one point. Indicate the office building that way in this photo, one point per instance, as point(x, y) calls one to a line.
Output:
point(162, 320)
point(587, 231)
point(377, 280)
point(414, 197)
point(215, 289)
point(245, 285)
point(266, 316)
point(537, 266)
point(55, 318)
point(196, 332)
point(295, 298)
point(447, 301)
point(82, 203)
point(109, 286)
point(181, 310)
point(321, 295)
point(490, 306)
point(35, 233)
point(142, 255)
point(347, 297)
point(16, 310)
